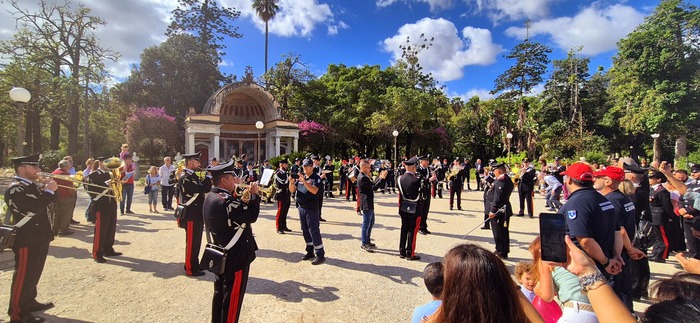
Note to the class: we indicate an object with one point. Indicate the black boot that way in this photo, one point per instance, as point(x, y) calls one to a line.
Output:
point(309, 253)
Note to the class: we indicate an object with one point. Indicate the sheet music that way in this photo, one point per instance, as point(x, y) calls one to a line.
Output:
point(266, 176)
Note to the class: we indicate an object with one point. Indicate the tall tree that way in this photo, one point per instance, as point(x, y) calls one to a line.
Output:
point(655, 74)
point(207, 20)
point(531, 62)
point(177, 74)
point(286, 79)
point(266, 10)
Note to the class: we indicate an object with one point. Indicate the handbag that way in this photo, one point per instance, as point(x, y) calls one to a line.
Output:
point(407, 205)
point(8, 232)
point(148, 188)
point(214, 257)
point(181, 209)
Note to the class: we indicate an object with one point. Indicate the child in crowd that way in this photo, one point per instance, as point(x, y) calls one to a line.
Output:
point(433, 278)
point(153, 180)
point(523, 275)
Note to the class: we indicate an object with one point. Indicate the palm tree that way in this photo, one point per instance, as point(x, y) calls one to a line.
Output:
point(266, 10)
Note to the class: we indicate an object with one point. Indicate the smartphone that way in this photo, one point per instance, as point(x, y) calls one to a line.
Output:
point(552, 231)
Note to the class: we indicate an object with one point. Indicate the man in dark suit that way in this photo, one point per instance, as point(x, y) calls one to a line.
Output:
point(192, 190)
point(410, 208)
point(27, 208)
point(366, 187)
point(479, 170)
point(526, 187)
point(503, 187)
point(228, 219)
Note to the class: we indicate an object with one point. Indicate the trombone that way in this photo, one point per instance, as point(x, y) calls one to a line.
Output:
point(77, 179)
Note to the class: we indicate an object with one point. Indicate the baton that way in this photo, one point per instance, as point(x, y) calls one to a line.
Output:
point(502, 209)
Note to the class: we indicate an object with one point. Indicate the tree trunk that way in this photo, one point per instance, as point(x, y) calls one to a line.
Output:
point(86, 119)
point(266, 47)
point(55, 133)
point(74, 124)
point(680, 151)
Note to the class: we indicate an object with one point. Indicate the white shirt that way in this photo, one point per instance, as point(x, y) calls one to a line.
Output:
point(164, 173)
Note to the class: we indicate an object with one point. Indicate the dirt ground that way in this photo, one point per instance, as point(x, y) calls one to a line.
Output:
point(147, 284)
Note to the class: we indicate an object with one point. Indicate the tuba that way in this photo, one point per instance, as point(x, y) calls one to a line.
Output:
point(453, 172)
point(113, 164)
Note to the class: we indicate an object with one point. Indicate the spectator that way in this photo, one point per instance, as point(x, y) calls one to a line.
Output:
point(527, 281)
point(124, 152)
point(681, 284)
point(71, 170)
point(552, 191)
point(366, 187)
point(478, 288)
point(127, 171)
point(433, 278)
point(167, 187)
point(673, 311)
point(66, 196)
point(88, 168)
point(153, 180)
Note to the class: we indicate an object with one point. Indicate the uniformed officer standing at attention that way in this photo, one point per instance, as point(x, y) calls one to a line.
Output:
point(328, 171)
point(502, 188)
point(342, 176)
point(427, 179)
point(456, 183)
point(307, 188)
point(526, 187)
point(351, 176)
point(410, 190)
point(283, 197)
point(27, 208)
point(225, 214)
point(105, 209)
point(192, 190)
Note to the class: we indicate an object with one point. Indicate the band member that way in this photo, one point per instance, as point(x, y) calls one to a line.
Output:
point(283, 197)
point(503, 187)
point(467, 172)
point(487, 184)
point(526, 187)
point(456, 183)
point(479, 170)
point(225, 214)
point(27, 209)
point(366, 187)
point(328, 171)
point(390, 178)
point(192, 190)
point(661, 212)
point(307, 189)
point(105, 208)
point(427, 179)
point(352, 174)
point(322, 176)
point(250, 174)
point(342, 176)
point(410, 190)
point(440, 174)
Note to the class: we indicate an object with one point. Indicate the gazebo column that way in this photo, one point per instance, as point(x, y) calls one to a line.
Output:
point(190, 143)
point(215, 149)
point(277, 146)
point(296, 144)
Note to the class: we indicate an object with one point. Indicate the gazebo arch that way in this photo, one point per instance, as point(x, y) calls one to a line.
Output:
point(227, 123)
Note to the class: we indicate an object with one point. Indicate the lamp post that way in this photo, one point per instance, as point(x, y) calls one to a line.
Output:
point(509, 136)
point(259, 125)
point(396, 152)
point(20, 96)
point(657, 147)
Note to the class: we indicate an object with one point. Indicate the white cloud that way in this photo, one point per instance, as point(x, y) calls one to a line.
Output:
point(449, 52)
point(596, 29)
point(498, 10)
point(435, 5)
point(333, 29)
point(294, 17)
point(483, 94)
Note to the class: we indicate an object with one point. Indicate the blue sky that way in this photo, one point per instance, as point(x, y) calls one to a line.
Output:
point(471, 36)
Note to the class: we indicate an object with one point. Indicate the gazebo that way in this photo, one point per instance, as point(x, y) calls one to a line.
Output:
point(240, 118)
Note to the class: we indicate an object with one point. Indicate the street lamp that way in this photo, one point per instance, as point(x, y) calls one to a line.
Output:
point(509, 136)
point(396, 152)
point(20, 96)
point(259, 125)
point(657, 147)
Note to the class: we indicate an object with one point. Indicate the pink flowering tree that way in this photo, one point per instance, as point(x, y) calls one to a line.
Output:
point(152, 131)
point(315, 137)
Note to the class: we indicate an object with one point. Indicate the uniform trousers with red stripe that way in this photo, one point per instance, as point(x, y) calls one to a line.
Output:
point(659, 243)
point(409, 234)
point(283, 204)
point(29, 264)
point(229, 290)
point(105, 229)
point(193, 241)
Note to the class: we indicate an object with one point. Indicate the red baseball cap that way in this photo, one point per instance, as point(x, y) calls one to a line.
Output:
point(579, 172)
point(615, 173)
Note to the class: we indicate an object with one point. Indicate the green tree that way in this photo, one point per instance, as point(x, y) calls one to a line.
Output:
point(177, 74)
point(266, 10)
point(285, 80)
point(655, 74)
point(207, 20)
point(151, 130)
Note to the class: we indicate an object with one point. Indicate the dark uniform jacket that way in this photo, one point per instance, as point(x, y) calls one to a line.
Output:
point(304, 198)
point(589, 214)
point(223, 216)
point(458, 180)
point(367, 187)
point(281, 183)
point(331, 168)
point(24, 198)
point(502, 188)
point(527, 180)
point(660, 205)
point(250, 176)
point(190, 184)
point(103, 179)
point(425, 174)
point(687, 203)
point(410, 189)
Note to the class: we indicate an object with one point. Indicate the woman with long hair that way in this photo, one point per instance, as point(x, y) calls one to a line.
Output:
point(479, 288)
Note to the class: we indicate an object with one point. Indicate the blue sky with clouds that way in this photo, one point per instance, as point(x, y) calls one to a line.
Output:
point(470, 36)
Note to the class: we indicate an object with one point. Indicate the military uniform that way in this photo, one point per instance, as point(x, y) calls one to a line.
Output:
point(105, 214)
point(391, 180)
point(309, 217)
point(526, 188)
point(328, 169)
point(342, 175)
point(502, 188)
point(225, 214)
point(410, 189)
point(351, 188)
point(192, 188)
point(27, 206)
point(439, 170)
point(427, 178)
point(487, 184)
point(661, 211)
point(283, 199)
point(688, 203)
point(456, 183)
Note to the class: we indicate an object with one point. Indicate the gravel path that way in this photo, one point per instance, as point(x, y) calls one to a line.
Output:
point(148, 284)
